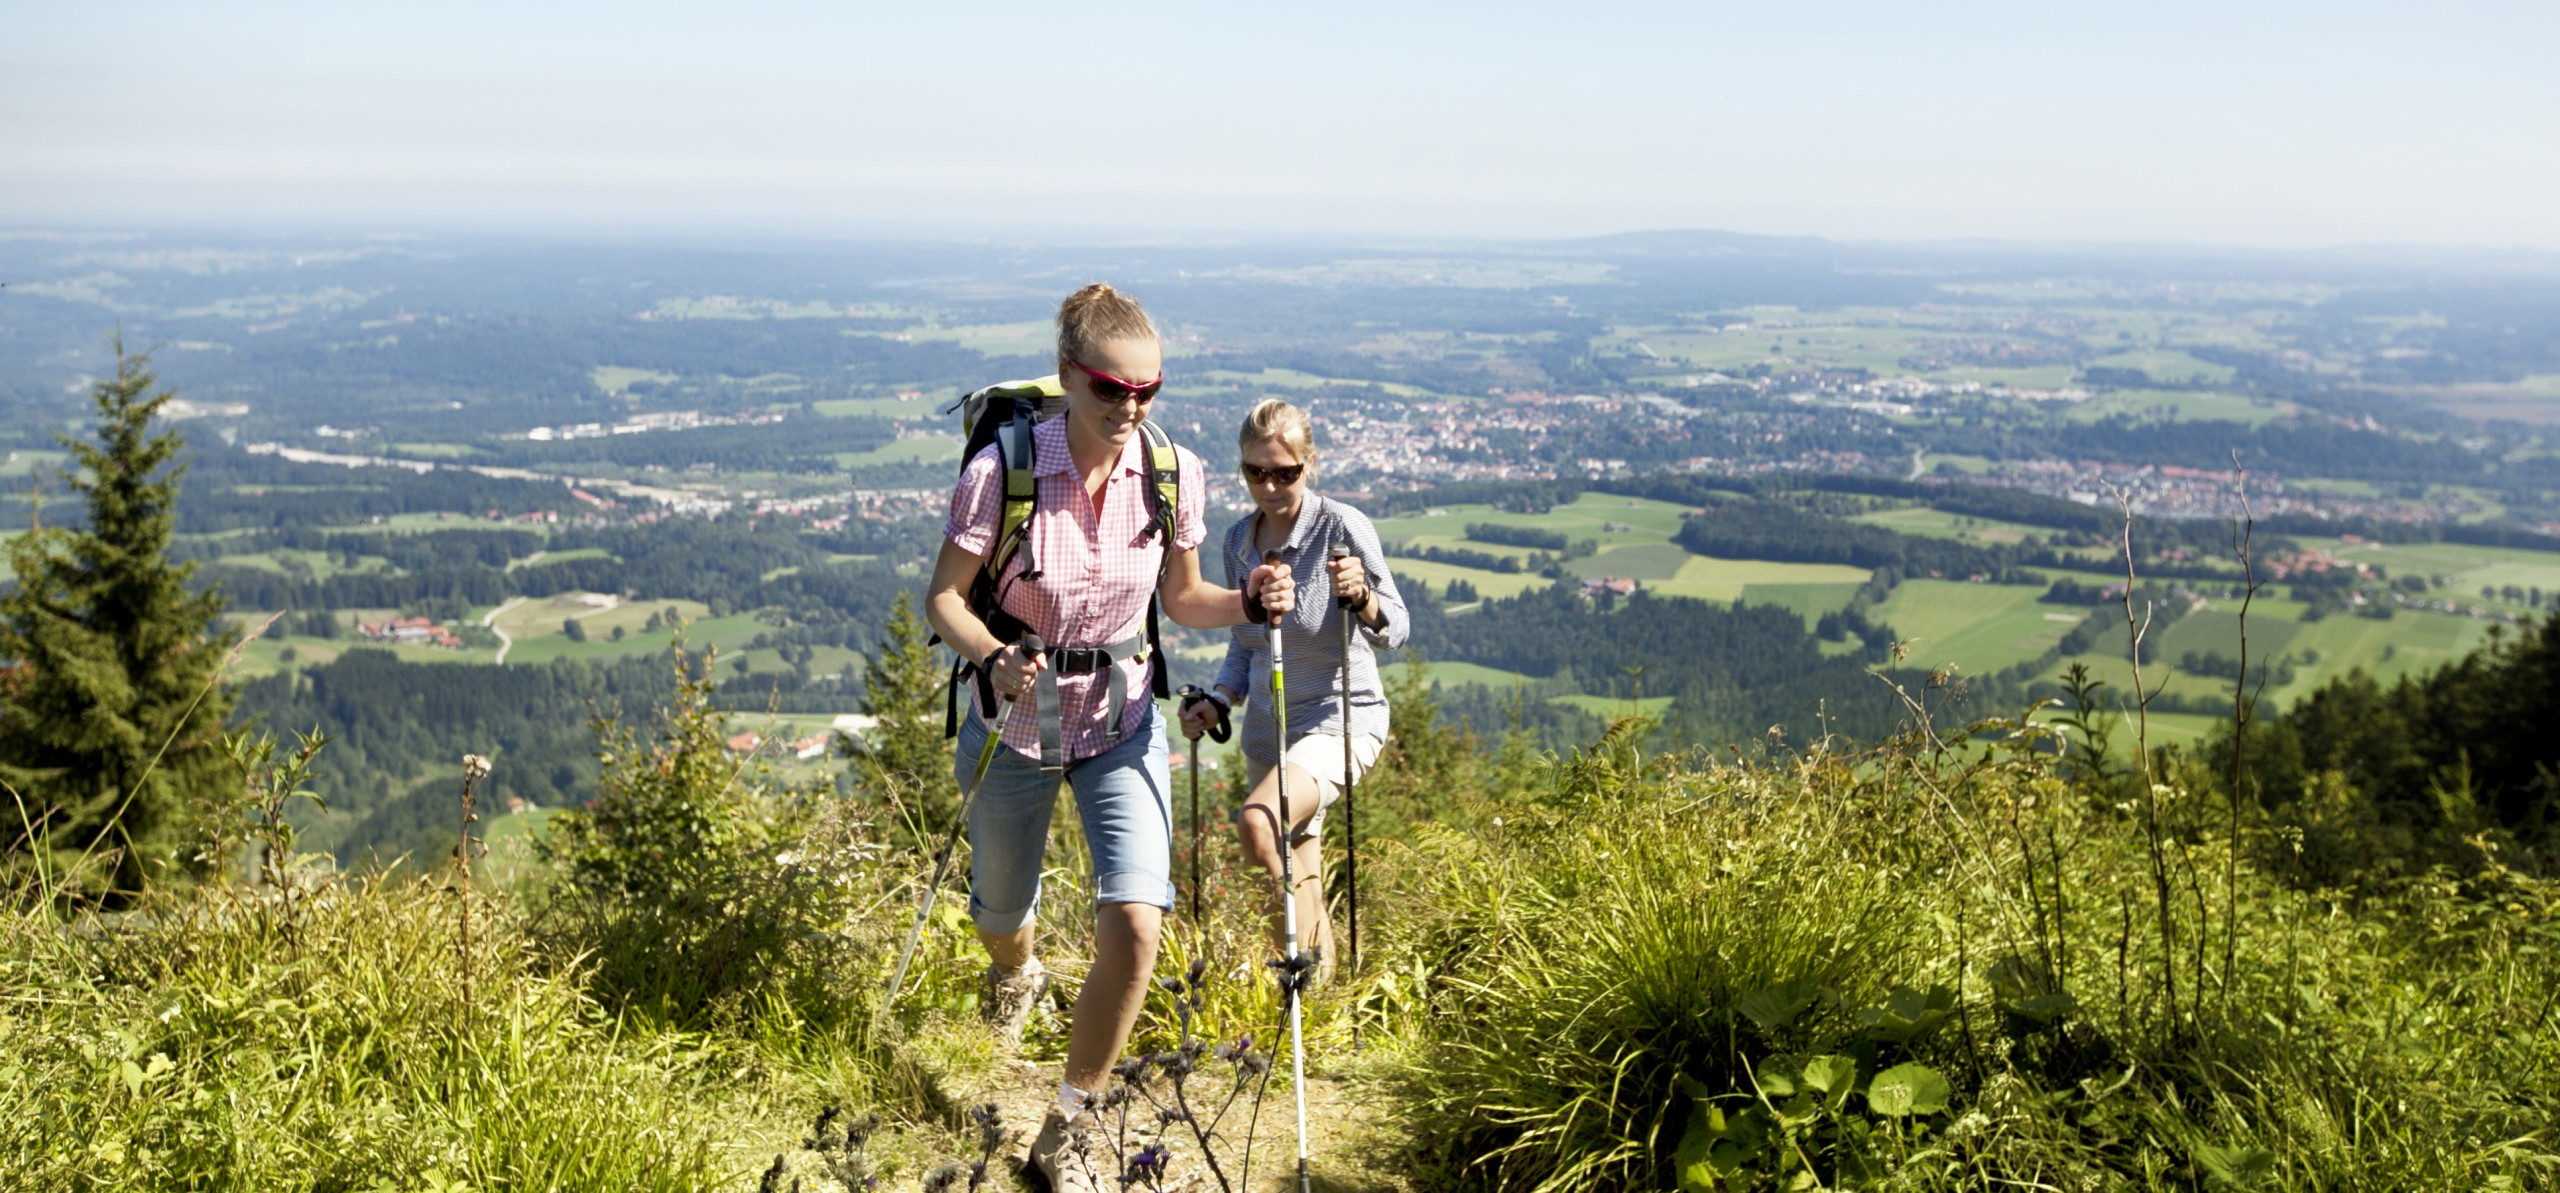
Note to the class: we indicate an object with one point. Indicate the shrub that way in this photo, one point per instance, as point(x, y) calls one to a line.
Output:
point(702, 884)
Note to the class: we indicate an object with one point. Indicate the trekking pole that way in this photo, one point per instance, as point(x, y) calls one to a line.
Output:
point(1192, 694)
point(1293, 968)
point(1031, 648)
point(1350, 807)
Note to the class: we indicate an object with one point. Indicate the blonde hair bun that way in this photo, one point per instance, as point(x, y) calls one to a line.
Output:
point(1098, 314)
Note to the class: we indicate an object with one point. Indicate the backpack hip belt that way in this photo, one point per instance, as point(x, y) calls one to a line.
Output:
point(1083, 660)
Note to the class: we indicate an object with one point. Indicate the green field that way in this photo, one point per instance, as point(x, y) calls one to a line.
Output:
point(1453, 674)
point(1980, 628)
point(1710, 579)
point(2169, 366)
point(1636, 561)
point(895, 409)
point(22, 462)
point(615, 380)
point(536, 628)
point(1925, 522)
point(1590, 516)
point(2465, 569)
point(1609, 708)
point(1029, 338)
point(2162, 405)
point(919, 449)
point(1487, 584)
point(320, 565)
point(546, 558)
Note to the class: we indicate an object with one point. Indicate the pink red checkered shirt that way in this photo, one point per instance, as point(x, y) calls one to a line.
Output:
point(1095, 576)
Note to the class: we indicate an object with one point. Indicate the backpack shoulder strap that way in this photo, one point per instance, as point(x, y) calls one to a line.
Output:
point(1018, 456)
point(1164, 505)
point(1164, 481)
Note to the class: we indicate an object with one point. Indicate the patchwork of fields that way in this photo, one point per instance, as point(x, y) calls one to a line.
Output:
point(1983, 629)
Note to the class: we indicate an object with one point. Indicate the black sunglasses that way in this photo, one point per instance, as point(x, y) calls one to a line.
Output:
point(1286, 474)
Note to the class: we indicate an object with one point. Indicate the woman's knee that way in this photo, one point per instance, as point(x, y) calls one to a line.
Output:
point(1138, 927)
point(1257, 831)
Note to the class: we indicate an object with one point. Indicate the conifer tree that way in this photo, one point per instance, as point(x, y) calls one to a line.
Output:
point(112, 730)
point(906, 766)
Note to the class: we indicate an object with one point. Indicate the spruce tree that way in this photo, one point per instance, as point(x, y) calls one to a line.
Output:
point(111, 734)
point(906, 766)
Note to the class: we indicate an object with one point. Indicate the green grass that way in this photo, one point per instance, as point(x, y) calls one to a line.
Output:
point(1609, 708)
point(536, 627)
point(1981, 628)
point(2179, 405)
point(1488, 584)
point(2465, 568)
point(1809, 601)
point(1037, 337)
point(365, 1049)
point(1638, 561)
point(1966, 465)
point(26, 461)
point(1710, 579)
point(319, 565)
point(1269, 379)
point(1478, 675)
point(920, 449)
point(615, 380)
point(435, 451)
point(896, 409)
point(547, 558)
point(2168, 365)
point(1925, 522)
point(1589, 516)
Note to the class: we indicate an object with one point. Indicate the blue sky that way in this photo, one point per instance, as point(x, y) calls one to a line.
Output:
point(2232, 123)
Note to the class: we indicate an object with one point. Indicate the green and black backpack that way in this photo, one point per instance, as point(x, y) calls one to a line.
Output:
point(1004, 415)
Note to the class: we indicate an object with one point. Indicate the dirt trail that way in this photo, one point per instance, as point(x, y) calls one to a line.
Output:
point(1345, 1142)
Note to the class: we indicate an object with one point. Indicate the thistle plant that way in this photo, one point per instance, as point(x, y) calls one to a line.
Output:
point(1135, 1082)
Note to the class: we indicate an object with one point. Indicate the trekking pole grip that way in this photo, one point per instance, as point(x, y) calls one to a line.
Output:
point(1271, 556)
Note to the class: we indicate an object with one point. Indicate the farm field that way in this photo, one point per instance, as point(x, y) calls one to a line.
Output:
point(2466, 569)
point(1926, 522)
point(536, 627)
point(1710, 579)
point(1589, 516)
point(1979, 628)
point(894, 409)
point(1454, 674)
point(2178, 405)
point(1438, 575)
point(915, 450)
point(2168, 365)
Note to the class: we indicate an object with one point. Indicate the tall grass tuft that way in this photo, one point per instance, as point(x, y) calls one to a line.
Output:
point(1932, 966)
point(191, 1046)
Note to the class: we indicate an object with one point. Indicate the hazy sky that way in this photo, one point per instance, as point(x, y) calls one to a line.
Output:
point(2225, 122)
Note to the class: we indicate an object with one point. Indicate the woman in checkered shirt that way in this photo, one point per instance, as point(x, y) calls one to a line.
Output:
point(1098, 561)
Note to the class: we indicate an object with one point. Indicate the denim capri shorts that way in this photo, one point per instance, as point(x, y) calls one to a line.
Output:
point(1124, 796)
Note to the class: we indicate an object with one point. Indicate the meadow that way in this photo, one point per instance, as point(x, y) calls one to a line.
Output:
point(1916, 966)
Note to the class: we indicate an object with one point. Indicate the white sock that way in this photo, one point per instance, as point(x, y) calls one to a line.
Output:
point(1071, 1100)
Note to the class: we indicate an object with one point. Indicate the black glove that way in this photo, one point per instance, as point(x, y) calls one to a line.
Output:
point(1191, 694)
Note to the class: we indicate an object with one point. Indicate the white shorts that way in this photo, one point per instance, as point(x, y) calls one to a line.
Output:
point(1319, 757)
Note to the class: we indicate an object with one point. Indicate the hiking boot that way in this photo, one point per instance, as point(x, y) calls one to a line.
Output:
point(1008, 1000)
point(1054, 1155)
